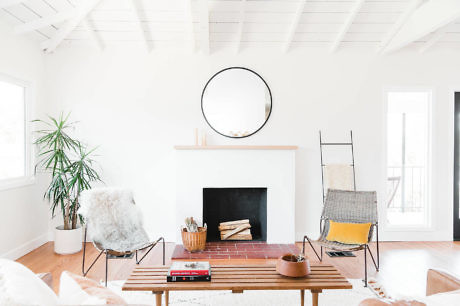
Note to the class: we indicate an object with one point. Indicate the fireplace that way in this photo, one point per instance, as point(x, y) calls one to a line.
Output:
point(229, 204)
point(273, 169)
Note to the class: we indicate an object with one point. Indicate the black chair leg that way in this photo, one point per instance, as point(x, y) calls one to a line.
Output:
point(164, 251)
point(378, 249)
point(320, 258)
point(84, 257)
point(150, 248)
point(365, 266)
point(106, 266)
point(373, 260)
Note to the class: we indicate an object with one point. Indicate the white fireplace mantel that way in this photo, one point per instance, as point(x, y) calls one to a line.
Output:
point(272, 167)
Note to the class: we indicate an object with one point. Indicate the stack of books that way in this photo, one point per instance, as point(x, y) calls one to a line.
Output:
point(187, 271)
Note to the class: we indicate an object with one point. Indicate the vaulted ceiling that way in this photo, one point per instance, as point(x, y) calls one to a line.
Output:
point(211, 25)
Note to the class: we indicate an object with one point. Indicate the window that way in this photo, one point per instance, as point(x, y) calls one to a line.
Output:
point(408, 156)
point(14, 147)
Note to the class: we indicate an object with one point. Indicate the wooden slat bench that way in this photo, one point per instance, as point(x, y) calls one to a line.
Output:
point(238, 278)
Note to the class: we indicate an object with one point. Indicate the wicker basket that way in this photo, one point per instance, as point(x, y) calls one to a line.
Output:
point(194, 242)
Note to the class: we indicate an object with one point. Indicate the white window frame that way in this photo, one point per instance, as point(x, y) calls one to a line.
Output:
point(429, 226)
point(29, 176)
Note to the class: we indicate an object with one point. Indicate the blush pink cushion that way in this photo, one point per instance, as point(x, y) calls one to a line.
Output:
point(78, 290)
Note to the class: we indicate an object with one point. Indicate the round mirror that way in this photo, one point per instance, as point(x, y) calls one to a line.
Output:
point(236, 102)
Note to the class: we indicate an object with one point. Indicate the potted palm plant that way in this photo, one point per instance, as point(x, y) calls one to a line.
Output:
point(72, 171)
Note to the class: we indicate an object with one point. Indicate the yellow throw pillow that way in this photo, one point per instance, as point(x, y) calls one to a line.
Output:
point(348, 233)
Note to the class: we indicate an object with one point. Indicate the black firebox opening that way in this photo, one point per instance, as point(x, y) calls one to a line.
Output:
point(230, 204)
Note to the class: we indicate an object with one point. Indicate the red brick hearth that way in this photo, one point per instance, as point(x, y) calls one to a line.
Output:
point(236, 250)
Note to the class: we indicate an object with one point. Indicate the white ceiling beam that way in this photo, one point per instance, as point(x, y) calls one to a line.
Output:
point(8, 3)
point(428, 18)
point(434, 39)
point(413, 5)
point(204, 25)
point(239, 32)
point(294, 25)
point(44, 22)
point(189, 27)
point(351, 17)
point(95, 37)
point(82, 11)
point(137, 9)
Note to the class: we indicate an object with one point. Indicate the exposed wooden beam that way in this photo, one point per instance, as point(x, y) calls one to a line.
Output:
point(294, 25)
point(8, 3)
point(204, 25)
point(413, 5)
point(239, 33)
point(44, 21)
point(137, 9)
point(82, 11)
point(434, 39)
point(189, 25)
point(95, 37)
point(351, 17)
point(428, 18)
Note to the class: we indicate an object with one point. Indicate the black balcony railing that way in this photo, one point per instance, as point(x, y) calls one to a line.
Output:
point(407, 188)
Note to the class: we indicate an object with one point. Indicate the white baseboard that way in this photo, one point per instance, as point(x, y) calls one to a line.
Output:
point(25, 248)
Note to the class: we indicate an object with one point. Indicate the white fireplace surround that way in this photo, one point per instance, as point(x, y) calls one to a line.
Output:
point(270, 167)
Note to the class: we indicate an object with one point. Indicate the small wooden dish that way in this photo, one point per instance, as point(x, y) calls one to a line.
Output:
point(288, 265)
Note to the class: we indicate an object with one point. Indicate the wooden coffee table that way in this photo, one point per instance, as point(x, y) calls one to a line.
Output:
point(238, 278)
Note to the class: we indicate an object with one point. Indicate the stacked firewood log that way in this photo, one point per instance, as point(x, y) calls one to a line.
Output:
point(235, 230)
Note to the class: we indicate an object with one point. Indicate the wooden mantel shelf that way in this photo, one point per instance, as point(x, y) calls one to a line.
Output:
point(236, 147)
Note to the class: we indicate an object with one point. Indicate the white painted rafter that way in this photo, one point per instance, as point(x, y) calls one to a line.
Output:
point(428, 18)
point(437, 36)
point(413, 5)
point(95, 37)
point(82, 11)
point(294, 25)
point(204, 25)
point(239, 32)
point(9, 3)
point(189, 27)
point(45, 21)
point(136, 8)
point(351, 17)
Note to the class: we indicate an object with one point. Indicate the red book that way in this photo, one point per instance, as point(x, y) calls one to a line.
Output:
point(188, 272)
point(187, 268)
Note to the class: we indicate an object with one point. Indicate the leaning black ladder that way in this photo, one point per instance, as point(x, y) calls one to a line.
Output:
point(350, 143)
point(376, 225)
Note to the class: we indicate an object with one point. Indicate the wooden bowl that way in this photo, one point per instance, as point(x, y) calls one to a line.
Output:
point(288, 265)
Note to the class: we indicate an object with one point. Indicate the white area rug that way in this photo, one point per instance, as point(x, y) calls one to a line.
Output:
point(249, 298)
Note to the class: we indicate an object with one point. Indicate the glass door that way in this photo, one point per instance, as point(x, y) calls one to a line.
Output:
point(457, 167)
point(408, 159)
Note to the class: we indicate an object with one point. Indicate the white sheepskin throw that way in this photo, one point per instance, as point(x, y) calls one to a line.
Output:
point(113, 219)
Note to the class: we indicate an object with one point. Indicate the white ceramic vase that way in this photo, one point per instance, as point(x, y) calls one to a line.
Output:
point(67, 241)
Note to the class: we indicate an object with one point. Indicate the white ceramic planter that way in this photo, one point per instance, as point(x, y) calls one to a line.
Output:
point(67, 241)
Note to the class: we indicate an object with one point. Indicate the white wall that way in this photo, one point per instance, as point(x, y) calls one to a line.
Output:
point(136, 107)
point(23, 215)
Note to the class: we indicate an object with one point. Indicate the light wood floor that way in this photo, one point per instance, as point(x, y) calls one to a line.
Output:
point(403, 265)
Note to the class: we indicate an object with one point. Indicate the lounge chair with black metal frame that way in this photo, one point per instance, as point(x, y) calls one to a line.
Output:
point(115, 225)
point(348, 207)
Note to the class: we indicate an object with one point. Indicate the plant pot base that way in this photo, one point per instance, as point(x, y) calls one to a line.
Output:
point(67, 241)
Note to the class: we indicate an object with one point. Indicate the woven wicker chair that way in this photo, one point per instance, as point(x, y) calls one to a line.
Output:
point(350, 207)
point(116, 226)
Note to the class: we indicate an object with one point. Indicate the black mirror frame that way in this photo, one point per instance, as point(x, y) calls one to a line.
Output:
point(269, 91)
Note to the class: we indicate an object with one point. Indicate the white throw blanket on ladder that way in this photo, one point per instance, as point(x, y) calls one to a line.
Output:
point(338, 176)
